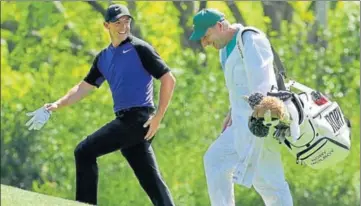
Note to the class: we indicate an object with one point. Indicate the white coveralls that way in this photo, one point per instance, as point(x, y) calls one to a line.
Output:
point(237, 156)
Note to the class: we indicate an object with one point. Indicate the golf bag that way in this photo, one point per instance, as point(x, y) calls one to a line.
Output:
point(324, 131)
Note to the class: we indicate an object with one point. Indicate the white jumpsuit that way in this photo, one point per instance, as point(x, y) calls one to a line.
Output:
point(237, 156)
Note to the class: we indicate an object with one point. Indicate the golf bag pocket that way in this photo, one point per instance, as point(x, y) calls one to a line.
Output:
point(324, 153)
point(332, 141)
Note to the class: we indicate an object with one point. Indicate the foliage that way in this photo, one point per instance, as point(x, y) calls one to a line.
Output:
point(39, 64)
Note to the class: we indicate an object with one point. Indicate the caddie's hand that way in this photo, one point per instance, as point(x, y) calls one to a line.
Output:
point(282, 95)
point(282, 131)
point(227, 122)
point(38, 118)
point(153, 123)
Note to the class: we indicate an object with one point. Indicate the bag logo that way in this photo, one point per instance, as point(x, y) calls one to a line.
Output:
point(321, 157)
point(334, 118)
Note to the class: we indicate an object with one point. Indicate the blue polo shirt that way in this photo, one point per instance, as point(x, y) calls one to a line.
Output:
point(128, 69)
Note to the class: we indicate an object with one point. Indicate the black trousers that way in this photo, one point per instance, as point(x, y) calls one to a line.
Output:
point(125, 133)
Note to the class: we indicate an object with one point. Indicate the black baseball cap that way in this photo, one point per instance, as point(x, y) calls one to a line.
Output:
point(115, 11)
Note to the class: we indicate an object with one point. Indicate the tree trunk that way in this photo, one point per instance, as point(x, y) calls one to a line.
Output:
point(236, 12)
point(186, 9)
point(321, 23)
point(202, 5)
point(76, 41)
point(11, 26)
point(320, 11)
point(135, 28)
point(97, 7)
point(277, 11)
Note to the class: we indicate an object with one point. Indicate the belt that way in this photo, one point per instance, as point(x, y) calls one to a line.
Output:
point(121, 112)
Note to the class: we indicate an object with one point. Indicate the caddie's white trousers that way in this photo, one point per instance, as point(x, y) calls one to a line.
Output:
point(220, 162)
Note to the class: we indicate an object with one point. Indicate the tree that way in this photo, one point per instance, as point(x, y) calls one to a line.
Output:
point(277, 11)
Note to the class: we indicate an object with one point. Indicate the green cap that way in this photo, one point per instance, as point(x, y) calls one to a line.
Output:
point(204, 19)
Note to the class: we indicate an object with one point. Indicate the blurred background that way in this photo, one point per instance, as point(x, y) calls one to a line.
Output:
point(47, 47)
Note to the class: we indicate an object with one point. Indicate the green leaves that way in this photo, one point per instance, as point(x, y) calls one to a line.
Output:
point(44, 54)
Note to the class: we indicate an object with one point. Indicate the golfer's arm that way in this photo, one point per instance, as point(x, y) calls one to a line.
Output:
point(75, 94)
point(166, 92)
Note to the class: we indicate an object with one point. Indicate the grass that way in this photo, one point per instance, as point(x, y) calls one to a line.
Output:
point(12, 196)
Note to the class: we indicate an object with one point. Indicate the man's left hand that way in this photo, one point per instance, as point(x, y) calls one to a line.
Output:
point(153, 123)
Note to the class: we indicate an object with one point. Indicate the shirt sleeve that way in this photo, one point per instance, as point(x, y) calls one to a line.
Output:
point(94, 76)
point(258, 59)
point(152, 61)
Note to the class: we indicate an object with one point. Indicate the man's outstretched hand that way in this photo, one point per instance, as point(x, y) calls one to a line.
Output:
point(38, 118)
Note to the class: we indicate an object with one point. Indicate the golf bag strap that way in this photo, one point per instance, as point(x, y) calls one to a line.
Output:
point(279, 70)
point(298, 104)
point(278, 66)
point(240, 44)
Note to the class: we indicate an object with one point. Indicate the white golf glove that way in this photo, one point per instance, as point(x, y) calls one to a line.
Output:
point(39, 118)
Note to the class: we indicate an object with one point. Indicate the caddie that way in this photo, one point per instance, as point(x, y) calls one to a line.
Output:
point(237, 156)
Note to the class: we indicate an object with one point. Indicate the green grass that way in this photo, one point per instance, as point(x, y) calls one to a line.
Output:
point(12, 196)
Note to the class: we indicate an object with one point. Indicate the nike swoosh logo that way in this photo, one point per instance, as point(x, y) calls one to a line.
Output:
point(125, 51)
